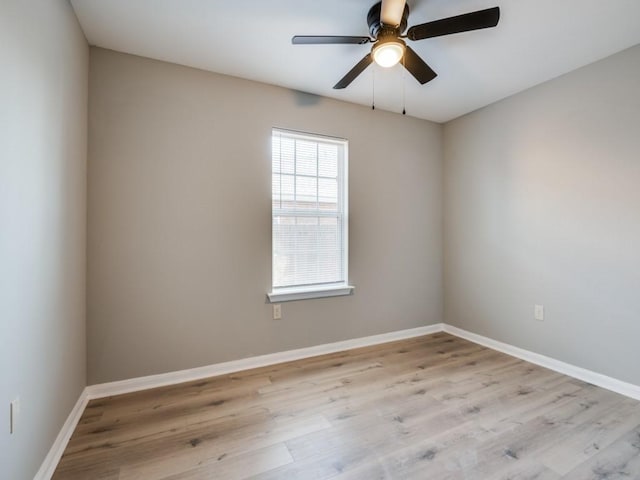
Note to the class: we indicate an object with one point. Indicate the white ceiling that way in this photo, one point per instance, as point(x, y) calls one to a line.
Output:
point(536, 40)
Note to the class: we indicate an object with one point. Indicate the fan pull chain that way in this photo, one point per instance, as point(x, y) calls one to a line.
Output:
point(373, 88)
point(404, 72)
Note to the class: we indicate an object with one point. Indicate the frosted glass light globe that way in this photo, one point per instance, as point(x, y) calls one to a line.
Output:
point(389, 53)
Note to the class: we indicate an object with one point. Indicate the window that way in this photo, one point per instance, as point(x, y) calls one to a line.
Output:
point(309, 216)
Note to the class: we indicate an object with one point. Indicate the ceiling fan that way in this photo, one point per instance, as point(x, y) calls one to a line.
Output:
point(387, 21)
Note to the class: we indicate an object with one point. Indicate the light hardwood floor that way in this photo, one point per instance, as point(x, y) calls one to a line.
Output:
point(435, 407)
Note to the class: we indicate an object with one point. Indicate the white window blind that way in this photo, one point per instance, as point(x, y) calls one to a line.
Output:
point(309, 211)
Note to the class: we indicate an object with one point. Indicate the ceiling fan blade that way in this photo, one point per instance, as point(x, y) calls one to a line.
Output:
point(460, 23)
point(354, 72)
point(328, 39)
point(391, 12)
point(417, 67)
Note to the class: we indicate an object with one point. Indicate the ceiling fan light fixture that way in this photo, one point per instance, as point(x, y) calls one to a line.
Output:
point(387, 53)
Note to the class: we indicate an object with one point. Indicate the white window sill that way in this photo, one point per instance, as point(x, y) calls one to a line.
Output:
point(291, 294)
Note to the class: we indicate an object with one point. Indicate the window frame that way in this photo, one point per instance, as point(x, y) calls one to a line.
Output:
point(291, 293)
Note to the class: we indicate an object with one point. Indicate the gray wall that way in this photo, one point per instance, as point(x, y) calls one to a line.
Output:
point(179, 234)
point(542, 205)
point(43, 116)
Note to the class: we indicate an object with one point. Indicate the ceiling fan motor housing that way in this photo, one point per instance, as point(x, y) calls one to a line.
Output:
point(378, 29)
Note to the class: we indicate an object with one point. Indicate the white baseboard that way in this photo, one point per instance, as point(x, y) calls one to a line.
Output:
point(50, 462)
point(615, 385)
point(172, 378)
point(152, 381)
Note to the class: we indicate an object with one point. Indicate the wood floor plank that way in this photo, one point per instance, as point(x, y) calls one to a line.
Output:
point(235, 445)
point(619, 461)
point(430, 407)
point(236, 468)
point(587, 439)
point(527, 442)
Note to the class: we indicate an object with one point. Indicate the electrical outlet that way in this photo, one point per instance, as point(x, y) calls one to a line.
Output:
point(277, 311)
point(14, 413)
point(538, 312)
